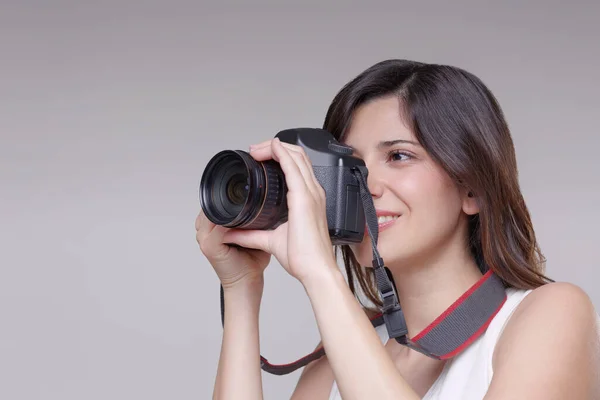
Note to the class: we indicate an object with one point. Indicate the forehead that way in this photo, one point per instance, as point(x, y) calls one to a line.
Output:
point(377, 121)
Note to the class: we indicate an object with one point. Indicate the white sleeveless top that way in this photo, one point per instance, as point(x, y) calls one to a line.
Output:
point(468, 375)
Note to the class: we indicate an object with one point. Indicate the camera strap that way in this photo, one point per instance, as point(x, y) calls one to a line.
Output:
point(463, 322)
point(449, 334)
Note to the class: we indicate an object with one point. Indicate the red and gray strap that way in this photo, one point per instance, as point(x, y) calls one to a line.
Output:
point(463, 322)
point(448, 335)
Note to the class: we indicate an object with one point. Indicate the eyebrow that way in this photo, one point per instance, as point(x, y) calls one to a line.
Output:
point(390, 143)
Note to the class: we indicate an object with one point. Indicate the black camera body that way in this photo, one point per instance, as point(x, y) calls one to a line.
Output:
point(332, 164)
point(238, 192)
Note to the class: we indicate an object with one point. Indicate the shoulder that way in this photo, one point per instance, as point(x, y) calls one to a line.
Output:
point(553, 337)
point(558, 308)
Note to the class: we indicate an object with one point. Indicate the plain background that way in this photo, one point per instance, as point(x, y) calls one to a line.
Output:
point(110, 110)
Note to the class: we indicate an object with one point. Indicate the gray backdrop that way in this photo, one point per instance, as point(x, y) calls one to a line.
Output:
point(110, 110)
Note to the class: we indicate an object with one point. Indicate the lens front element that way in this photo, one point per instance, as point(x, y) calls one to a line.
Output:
point(236, 191)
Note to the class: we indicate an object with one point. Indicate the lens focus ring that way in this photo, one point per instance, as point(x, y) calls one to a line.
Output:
point(274, 210)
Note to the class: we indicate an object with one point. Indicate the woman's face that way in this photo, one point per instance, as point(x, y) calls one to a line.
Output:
point(418, 205)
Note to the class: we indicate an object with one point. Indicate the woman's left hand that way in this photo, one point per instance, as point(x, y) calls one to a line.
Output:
point(302, 244)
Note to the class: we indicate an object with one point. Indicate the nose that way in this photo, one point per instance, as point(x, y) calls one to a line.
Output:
point(374, 184)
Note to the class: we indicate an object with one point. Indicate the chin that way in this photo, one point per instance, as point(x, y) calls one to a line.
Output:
point(364, 253)
point(389, 249)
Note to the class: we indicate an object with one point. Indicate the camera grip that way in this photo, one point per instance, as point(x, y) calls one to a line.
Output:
point(345, 215)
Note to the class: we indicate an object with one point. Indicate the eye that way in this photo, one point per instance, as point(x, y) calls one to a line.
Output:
point(399, 155)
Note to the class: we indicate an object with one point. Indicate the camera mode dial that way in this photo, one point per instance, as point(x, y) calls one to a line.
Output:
point(340, 148)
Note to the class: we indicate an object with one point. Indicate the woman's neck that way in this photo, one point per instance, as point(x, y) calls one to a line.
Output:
point(429, 286)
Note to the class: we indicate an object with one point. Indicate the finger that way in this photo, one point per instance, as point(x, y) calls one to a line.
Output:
point(203, 223)
point(300, 158)
point(306, 168)
point(214, 234)
point(266, 143)
point(198, 222)
point(262, 153)
point(293, 177)
point(205, 229)
point(211, 241)
point(250, 239)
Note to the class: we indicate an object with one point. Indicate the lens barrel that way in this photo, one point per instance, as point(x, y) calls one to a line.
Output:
point(236, 191)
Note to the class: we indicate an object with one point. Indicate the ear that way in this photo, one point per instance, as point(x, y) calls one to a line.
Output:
point(470, 204)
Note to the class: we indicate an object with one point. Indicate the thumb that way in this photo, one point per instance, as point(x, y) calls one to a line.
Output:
point(249, 239)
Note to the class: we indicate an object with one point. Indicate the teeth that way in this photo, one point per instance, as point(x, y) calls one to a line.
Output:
point(388, 218)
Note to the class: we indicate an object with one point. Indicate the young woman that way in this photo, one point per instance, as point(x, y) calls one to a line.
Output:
point(443, 179)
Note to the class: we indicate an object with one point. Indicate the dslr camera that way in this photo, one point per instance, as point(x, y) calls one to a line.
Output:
point(236, 191)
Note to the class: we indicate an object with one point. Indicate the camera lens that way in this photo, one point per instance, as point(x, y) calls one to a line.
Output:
point(230, 181)
point(236, 191)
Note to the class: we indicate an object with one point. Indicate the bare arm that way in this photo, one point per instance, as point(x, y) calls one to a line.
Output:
point(316, 379)
point(239, 374)
point(360, 363)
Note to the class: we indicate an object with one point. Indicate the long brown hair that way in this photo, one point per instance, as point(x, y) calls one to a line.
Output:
point(460, 124)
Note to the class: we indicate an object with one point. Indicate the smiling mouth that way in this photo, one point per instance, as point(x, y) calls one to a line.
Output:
point(383, 222)
point(386, 219)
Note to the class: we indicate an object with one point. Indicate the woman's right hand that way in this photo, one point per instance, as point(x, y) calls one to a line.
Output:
point(234, 265)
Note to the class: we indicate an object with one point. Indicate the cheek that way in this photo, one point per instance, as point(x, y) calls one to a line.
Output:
point(413, 190)
point(431, 206)
point(427, 191)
